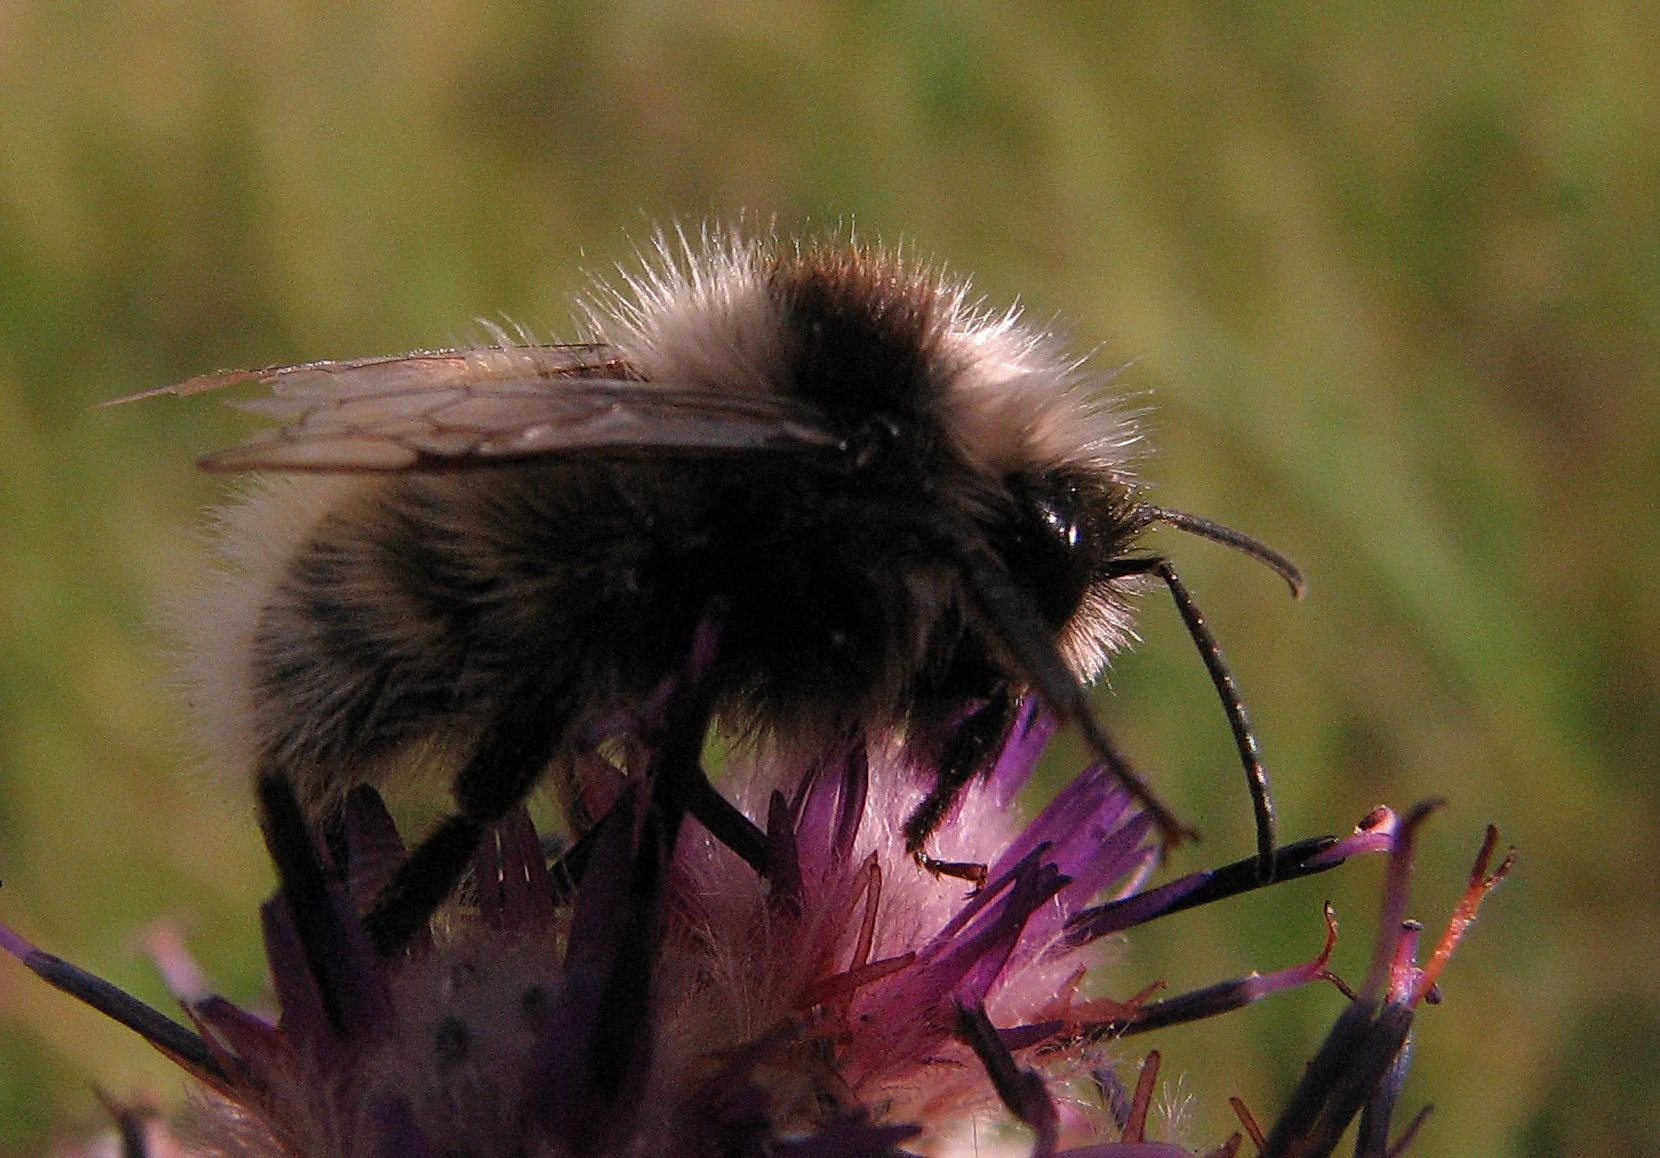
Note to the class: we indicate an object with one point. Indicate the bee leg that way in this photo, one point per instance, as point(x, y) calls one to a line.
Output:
point(724, 820)
point(680, 786)
point(685, 782)
point(679, 781)
point(494, 780)
point(973, 743)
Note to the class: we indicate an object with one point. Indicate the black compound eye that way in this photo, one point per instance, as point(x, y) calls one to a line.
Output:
point(1050, 547)
point(1059, 516)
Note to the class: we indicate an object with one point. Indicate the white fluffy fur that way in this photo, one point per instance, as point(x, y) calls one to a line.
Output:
point(697, 317)
point(700, 313)
point(255, 537)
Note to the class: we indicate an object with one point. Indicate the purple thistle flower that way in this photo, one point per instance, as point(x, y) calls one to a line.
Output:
point(674, 1001)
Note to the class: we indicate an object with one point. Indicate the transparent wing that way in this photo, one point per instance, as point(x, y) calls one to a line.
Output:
point(440, 409)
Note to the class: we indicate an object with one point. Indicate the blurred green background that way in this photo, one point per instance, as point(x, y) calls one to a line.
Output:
point(1387, 275)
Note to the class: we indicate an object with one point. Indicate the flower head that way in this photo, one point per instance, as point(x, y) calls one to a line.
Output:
point(651, 993)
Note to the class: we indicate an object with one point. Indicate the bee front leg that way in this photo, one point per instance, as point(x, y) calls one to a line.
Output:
point(971, 746)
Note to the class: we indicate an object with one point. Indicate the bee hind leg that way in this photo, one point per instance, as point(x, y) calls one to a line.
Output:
point(497, 777)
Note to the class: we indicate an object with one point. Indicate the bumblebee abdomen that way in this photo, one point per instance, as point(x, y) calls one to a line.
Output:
point(423, 609)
